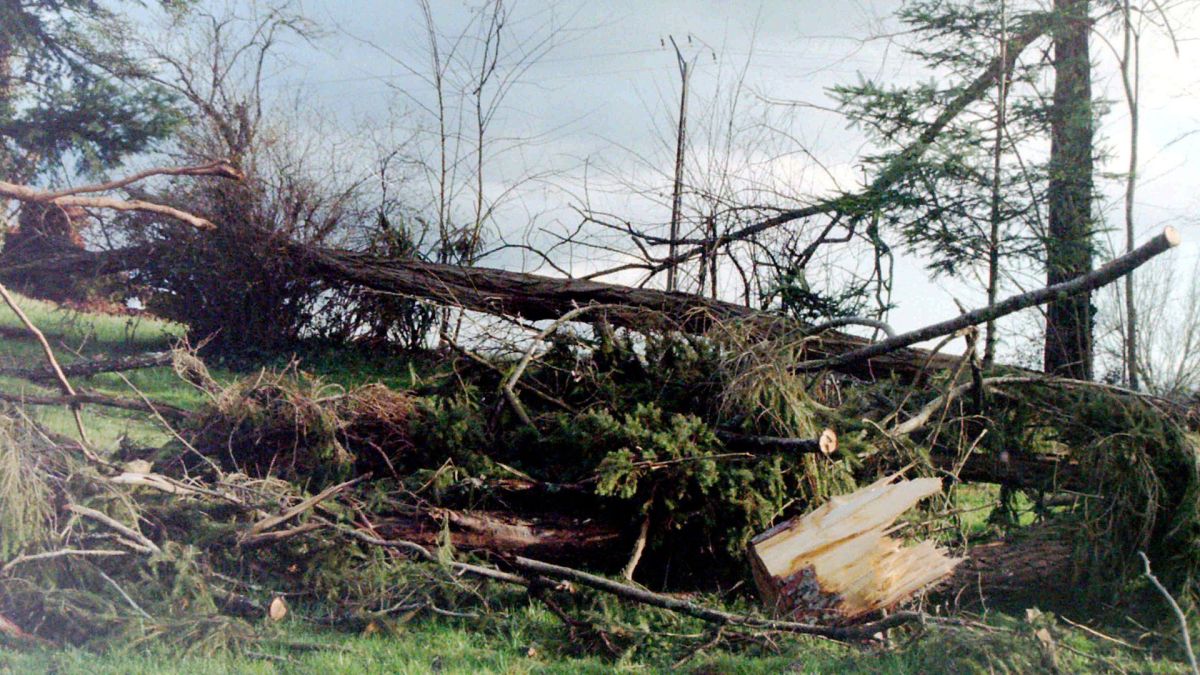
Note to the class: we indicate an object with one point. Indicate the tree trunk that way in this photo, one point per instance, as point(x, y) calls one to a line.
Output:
point(1012, 571)
point(1130, 78)
point(1068, 349)
point(837, 562)
point(993, 281)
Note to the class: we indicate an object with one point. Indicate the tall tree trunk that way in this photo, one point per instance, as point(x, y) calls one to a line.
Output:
point(7, 85)
point(1068, 348)
point(1130, 77)
point(993, 283)
point(677, 190)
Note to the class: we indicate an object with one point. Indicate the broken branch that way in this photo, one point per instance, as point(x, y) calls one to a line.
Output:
point(90, 367)
point(63, 383)
point(1109, 272)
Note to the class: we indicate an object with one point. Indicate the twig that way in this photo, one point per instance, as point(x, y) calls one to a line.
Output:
point(866, 631)
point(852, 321)
point(1183, 627)
point(58, 554)
point(89, 367)
point(1102, 636)
point(220, 169)
point(269, 522)
point(276, 536)
point(510, 382)
point(125, 595)
point(639, 545)
point(166, 425)
point(146, 545)
point(895, 169)
point(424, 554)
point(79, 398)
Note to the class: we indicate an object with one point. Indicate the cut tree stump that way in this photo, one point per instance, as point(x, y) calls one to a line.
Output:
point(837, 564)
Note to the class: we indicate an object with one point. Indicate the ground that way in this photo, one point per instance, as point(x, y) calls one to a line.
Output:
point(523, 636)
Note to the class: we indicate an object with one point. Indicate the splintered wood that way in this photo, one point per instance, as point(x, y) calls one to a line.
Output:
point(838, 564)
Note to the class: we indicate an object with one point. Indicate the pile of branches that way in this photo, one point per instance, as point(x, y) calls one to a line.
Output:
point(612, 451)
point(657, 446)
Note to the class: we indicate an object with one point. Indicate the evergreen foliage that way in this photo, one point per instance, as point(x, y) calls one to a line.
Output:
point(70, 93)
point(942, 206)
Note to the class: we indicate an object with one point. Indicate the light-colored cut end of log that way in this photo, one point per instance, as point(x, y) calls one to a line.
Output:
point(838, 564)
point(1172, 236)
point(828, 442)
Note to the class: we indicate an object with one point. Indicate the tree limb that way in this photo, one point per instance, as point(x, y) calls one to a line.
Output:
point(90, 367)
point(73, 196)
point(93, 398)
point(1106, 274)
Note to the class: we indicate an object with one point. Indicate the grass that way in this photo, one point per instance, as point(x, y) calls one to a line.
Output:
point(75, 335)
point(524, 638)
point(530, 643)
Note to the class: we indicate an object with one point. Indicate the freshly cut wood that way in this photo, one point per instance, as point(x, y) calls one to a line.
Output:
point(837, 564)
point(825, 444)
point(277, 609)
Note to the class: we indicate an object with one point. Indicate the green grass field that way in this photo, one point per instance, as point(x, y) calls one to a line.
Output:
point(522, 636)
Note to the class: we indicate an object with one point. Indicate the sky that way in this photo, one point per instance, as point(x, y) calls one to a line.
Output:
point(598, 104)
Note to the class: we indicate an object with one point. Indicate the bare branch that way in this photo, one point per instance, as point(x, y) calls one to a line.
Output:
point(1106, 274)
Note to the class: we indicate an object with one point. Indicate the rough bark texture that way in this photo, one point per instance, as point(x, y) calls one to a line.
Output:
point(1068, 350)
point(548, 536)
point(535, 297)
point(1012, 570)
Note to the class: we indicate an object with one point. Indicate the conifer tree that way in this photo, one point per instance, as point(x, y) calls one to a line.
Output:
point(70, 95)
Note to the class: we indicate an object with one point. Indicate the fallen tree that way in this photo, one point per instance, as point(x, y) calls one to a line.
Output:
point(535, 297)
point(90, 367)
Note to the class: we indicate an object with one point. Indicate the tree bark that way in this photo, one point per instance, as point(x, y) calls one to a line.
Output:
point(1068, 348)
point(1012, 570)
point(1130, 78)
point(90, 367)
point(677, 190)
point(1060, 292)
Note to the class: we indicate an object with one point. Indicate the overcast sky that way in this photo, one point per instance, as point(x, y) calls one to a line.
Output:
point(604, 96)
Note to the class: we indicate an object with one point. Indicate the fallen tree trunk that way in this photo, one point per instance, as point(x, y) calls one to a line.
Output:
point(1106, 274)
point(90, 367)
point(535, 297)
point(1016, 470)
point(1014, 570)
point(549, 536)
point(532, 297)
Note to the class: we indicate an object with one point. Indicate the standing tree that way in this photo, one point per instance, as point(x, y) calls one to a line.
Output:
point(72, 101)
point(1068, 349)
point(971, 203)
